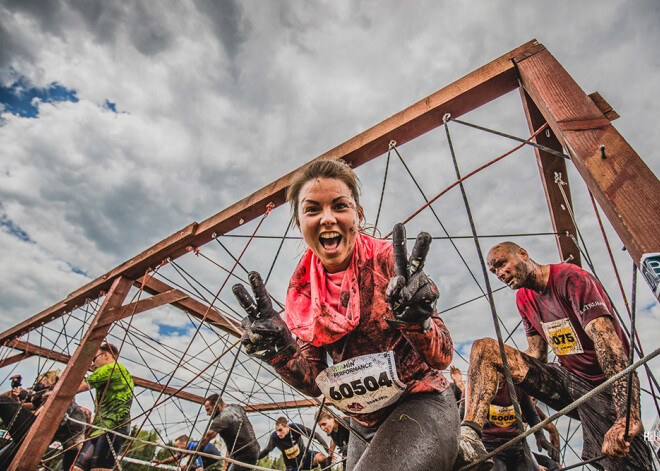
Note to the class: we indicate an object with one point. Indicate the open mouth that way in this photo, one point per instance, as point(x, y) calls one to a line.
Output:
point(330, 240)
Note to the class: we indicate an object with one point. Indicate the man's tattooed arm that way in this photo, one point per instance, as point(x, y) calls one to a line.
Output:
point(612, 358)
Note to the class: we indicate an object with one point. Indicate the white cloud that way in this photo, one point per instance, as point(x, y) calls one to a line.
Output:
point(216, 100)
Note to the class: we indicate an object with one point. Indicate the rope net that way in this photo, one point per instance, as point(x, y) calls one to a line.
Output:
point(191, 347)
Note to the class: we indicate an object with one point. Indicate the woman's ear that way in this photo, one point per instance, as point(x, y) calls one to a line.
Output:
point(360, 215)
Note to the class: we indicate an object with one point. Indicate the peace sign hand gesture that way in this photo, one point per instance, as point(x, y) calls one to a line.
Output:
point(410, 292)
point(265, 335)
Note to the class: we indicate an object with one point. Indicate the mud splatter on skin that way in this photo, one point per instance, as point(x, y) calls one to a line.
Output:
point(484, 374)
point(612, 358)
point(534, 279)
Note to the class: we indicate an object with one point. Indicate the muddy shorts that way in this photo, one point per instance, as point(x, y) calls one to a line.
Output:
point(420, 434)
point(557, 387)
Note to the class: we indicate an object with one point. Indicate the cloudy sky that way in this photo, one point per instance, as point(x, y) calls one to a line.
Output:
point(122, 122)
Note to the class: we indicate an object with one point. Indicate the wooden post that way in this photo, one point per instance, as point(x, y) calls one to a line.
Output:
point(549, 166)
point(624, 186)
point(41, 433)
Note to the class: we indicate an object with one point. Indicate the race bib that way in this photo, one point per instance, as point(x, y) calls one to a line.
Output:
point(362, 384)
point(502, 416)
point(562, 337)
point(292, 452)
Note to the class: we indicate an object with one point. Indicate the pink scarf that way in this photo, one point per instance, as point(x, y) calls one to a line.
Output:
point(308, 314)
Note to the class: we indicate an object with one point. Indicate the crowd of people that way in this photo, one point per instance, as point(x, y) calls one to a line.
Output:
point(360, 327)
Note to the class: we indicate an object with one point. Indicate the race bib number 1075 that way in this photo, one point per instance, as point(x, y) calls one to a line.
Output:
point(562, 337)
point(362, 384)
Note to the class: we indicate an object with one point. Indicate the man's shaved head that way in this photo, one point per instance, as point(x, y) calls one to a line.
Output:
point(510, 247)
point(513, 266)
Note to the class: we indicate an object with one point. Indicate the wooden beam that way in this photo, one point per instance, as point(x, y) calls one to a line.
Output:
point(133, 268)
point(549, 166)
point(624, 186)
point(31, 349)
point(14, 359)
point(280, 405)
point(466, 94)
point(166, 297)
point(41, 433)
point(604, 106)
point(168, 390)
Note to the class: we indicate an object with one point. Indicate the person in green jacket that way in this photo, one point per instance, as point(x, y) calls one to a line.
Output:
point(114, 396)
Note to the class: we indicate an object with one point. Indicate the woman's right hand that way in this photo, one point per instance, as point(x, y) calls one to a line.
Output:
point(265, 335)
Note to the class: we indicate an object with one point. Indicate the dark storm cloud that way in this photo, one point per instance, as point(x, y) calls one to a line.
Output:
point(49, 15)
point(12, 47)
point(146, 22)
point(229, 24)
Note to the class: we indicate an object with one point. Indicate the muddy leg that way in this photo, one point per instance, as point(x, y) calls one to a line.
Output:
point(484, 374)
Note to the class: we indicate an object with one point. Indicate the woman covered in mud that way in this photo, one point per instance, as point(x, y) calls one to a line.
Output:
point(362, 303)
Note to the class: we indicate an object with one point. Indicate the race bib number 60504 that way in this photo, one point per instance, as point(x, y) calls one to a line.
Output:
point(362, 384)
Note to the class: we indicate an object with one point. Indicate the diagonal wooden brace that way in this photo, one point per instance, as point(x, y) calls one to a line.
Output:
point(42, 431)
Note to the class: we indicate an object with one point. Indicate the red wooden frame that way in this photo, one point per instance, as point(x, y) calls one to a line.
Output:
point(626, 189)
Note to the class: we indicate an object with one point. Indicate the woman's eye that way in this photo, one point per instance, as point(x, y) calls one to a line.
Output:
point(310, 209)
point(341, 206)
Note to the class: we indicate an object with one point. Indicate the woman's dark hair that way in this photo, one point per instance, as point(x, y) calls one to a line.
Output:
point(334, 169)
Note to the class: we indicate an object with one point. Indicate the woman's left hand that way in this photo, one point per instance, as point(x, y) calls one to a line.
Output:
point(411, 293)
